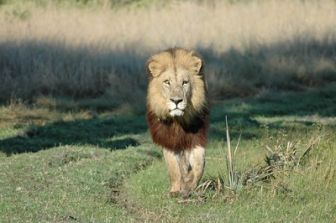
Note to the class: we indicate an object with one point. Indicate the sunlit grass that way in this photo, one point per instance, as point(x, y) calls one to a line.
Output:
point(101, 166)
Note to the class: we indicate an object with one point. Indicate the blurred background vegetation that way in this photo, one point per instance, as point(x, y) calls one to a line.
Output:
point(94, 51)
point(86, 3)
point(109, 3)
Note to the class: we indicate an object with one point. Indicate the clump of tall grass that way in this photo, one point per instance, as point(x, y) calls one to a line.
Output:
point(234, 178)
point(219, 183)
point(280, 161)
point(97, 52)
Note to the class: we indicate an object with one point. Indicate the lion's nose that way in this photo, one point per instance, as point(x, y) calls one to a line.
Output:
point(176, 100)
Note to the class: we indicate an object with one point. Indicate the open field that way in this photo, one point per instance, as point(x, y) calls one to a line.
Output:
point(302, 193)
point(74, 144)
point(103, 167)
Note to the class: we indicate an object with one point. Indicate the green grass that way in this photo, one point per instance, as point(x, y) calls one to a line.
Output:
point(69, 182)
point(305, 195)
point(66, 165)
point(86, 165)
point(300, 194)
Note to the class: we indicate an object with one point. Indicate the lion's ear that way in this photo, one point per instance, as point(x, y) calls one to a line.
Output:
point(197, 63)
point(154, 68)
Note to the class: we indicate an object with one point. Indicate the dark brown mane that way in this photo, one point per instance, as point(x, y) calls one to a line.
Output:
point(176, 135)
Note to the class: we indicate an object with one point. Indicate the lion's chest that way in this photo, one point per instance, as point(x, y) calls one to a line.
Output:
point(172, 135)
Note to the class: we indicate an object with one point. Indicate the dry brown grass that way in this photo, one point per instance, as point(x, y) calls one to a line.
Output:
point(92, 52)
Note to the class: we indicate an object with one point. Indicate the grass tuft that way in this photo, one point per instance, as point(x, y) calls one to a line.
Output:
point(281, 160)
point(233, 176)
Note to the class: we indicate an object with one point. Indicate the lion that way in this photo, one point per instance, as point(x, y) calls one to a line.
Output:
point(177, 115)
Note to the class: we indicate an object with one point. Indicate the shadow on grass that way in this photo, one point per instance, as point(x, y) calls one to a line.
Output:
point(32, 68)
point(287, 109)
point(111, 133)
point(116, 133)
point(293, 64)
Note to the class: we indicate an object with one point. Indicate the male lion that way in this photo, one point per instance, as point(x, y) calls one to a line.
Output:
point(177, 115)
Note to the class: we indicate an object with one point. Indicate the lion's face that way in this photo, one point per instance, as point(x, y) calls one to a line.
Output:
point(176, 90)
point(176, 86)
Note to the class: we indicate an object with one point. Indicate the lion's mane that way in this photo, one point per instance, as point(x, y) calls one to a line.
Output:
point(184, 132)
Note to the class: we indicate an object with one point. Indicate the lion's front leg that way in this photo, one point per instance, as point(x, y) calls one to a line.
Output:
point(197, 161)
point(191, 164)
point(185, 169)
point(172, 161)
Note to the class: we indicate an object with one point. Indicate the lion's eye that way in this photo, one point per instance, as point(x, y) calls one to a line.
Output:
point(166, 82)
point(185, 82)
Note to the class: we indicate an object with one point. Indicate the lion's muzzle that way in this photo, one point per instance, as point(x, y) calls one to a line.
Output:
point(176, 106)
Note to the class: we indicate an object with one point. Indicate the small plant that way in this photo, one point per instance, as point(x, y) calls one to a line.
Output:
point(280, 161)
point(218, 183)
point(233, 176)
